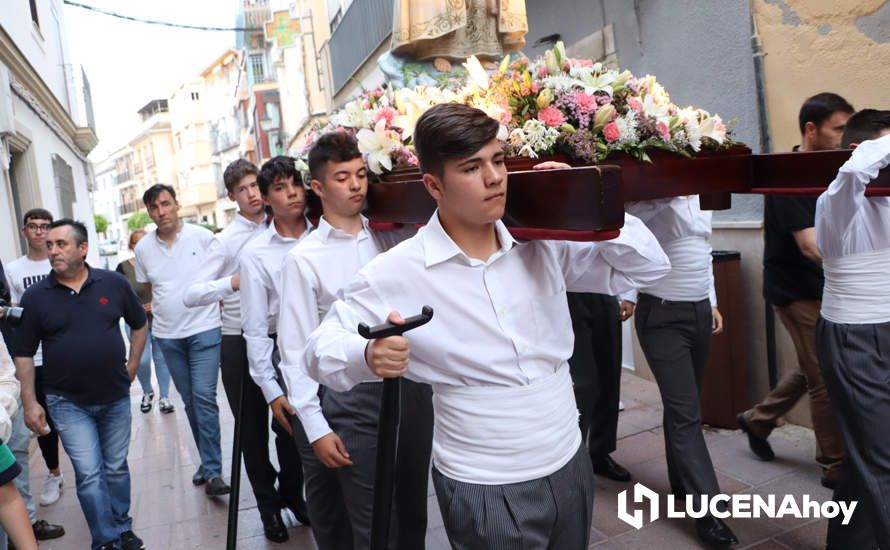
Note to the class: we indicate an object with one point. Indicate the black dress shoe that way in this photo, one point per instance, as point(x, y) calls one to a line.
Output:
point(759, 445)
point(198, 478)
point(216, 487)
point(298, 507)
point(605, 466)
point(273, 527)
point(43, 530)
point(714, 533)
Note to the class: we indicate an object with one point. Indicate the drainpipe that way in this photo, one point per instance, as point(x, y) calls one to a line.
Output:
point(765, 147)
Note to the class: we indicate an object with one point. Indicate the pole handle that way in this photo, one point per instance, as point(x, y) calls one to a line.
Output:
point(385, 330)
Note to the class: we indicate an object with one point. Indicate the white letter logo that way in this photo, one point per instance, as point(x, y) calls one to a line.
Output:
point(641, 494)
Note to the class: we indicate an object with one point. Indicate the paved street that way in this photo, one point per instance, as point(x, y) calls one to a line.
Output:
point(171, 514)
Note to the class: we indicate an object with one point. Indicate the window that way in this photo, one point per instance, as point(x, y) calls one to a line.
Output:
point(64, 186)
point(257, 67)
point(34, 17)
point(335, 21)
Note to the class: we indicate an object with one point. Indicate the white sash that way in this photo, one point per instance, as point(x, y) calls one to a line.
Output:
point(495, 435)
point(857, 288)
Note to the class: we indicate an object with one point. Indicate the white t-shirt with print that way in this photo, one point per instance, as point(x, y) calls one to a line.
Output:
point(21, 274)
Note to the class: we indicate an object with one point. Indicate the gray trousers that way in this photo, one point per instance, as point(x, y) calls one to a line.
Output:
point(340, 501)
point(676, 340)
point(855, 362)
point(549, 513)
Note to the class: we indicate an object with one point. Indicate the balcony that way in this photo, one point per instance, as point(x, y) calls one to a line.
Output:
point(364, 26)
point(256, 13)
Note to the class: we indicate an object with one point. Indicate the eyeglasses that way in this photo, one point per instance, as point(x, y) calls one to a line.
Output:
point(35, 227)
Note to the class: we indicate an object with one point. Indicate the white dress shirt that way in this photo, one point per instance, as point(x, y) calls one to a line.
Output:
point(499, 327)
point(260, 268)
point(214, 279)
point(169, 269)
point(684, 231)
point(853, 235)
point(312, 274)
point(9, 392)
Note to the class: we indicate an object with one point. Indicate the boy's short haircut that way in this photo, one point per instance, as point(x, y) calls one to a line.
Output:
point(152, 193)
point(235, 172)
point(275, 169)
point(865, 125)
point(451, 130)
point(37, 214)
point(819, 108)
point(331, 147)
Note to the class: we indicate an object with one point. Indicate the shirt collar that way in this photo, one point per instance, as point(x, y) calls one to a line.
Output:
point(240, 219)
point(92, 276)
point(438, 246)
point(326, 230)
point(273, 234)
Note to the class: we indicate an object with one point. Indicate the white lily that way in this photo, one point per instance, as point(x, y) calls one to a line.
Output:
point(377, 146)
point(478, 74)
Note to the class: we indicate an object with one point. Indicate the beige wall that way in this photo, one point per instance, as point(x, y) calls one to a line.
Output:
point(815, 46)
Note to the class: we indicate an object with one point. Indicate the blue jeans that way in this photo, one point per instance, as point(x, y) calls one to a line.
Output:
point(193, 363)
point(152, 352)
point(18, 444)
point(97, 440)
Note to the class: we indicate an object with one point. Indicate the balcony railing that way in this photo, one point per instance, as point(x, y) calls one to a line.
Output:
point(364, 26)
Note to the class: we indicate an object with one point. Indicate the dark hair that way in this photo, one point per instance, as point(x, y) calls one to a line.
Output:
point(36, 214)
point(332, 146)
point(865, 125)
point(275, 169)
point(152, 193)
point(78, 229)
point(451, 130)
point(236, 171)
point(820, 107)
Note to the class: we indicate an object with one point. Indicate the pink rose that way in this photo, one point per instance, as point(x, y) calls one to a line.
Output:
point(664, 131)
point(536, 87)
point(551, 116)
point(542, 71)
point(611, 132)
point(635, 104)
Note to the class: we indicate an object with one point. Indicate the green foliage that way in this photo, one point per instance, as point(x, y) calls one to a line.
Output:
point(138, 220)
point(101, 223)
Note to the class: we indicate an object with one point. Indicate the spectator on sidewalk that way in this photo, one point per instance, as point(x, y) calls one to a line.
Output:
point(13, 514)
point(152, 351)
point(21, 274)
point(189, 337)
point(75, 312)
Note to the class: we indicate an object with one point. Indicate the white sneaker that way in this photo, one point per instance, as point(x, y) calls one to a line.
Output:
point(52, 489)
point(620, 405)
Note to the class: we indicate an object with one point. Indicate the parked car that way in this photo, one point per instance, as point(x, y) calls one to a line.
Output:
point(109, 247)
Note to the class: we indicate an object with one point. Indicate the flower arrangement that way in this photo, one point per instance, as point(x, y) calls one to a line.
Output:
point(554, 104)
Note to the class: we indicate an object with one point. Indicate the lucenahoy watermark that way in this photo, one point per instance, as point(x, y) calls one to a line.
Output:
point(735, 506)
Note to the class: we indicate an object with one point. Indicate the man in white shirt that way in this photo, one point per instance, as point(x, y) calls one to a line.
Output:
point(509, 465)
point(167, 258)
point(219, 280)
point(20, 274)
point(342, 427)
point(259, 262)
point(853, 333)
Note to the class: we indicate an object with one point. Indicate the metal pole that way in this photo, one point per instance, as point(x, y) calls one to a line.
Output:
point(235, 479)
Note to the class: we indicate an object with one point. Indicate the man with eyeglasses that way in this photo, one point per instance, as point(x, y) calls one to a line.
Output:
point(20, 274)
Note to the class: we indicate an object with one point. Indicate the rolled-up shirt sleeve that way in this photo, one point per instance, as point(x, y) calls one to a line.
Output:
point(632, 260)
point(297, 317)
point(214, 278)
point(335, 352)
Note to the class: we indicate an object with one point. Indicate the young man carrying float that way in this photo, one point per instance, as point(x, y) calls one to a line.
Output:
point(342, 427)
point(853, 332)
point(509, 466)
point(260, 269)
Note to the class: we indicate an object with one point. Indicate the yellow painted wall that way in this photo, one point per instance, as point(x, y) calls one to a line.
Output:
point(815, 46)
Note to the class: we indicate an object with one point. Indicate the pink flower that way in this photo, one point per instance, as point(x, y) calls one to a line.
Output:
point(388, 113)
point(663, 130)
point(635, 104)
point(566, 66)
point(585, 102)
point(536, 87)
point(366, 104)
point(582, 62)
point(377, 93)
point(542, 71)
point(551, 116)
point(611, 132)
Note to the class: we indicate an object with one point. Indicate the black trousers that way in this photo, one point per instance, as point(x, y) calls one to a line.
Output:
point(255, 434)
point(676, 339)
point(855, 363)
point(340, 501)
point(595, 366)
point(49, 443)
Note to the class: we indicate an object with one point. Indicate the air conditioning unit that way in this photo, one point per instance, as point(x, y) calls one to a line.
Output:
point(7, 122)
